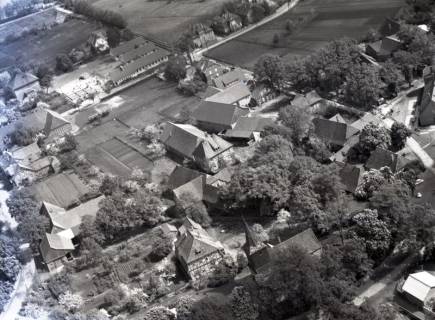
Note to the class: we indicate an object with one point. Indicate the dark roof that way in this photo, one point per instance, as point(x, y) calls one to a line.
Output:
point(332, 131)
point(182, 175)
point(386, 46)
point(127, 46)
point(222, 176)
point(128, 69)
point(219, 113)
point(195, 243)
point(246, 126)
point(385, 158)
point(389, 27)
point(138, 52)
point(190, 141)
point(351, 177)
point(54, 121)
point(338, 118)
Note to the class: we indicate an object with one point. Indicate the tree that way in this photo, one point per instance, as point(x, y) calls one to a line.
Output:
point(399, 134)
point(5, 77)
point(21, 135)
point(113, 37)
point(298, 120)
point(257, 13)
point(210, 309)
point(175, 69)
point(21, 203)
point(363, 86)
point(372, 136)
point(63, 63)
point(32, 229)
point(109, 185)
point(162, 246)
point(259, 233)
point(242, 305)
point(391, 75)
point(372, 181)
point(45, 75)
point(72, 302)
point(185, 44)
point(159, 313)
point(373, 232)
point(272, 149)
point(269, 70)
point(88, 229)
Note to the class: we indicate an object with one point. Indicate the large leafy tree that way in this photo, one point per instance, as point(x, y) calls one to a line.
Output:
point(399, 134)
point(269, 70)
point(298, 120)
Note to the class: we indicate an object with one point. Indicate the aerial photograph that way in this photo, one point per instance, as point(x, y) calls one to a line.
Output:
point(217, 160)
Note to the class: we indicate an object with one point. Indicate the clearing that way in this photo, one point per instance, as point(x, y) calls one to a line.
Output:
point(43, 47)
point(332, 19)
point(164, 20)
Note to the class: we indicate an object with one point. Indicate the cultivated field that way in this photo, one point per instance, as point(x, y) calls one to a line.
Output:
point(117, 157)
point(46, 45)
point(332, 19)
point(164, 20)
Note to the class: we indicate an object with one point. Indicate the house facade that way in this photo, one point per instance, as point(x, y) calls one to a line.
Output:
point(198, 253)
point(209, 151)
point(202, 35)
point(22, 84)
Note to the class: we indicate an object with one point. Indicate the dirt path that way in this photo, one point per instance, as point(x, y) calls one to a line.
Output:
point(197, 55)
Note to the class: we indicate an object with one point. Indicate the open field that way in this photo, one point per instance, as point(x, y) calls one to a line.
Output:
point(332, 19)
point(149, 102)
point(46, 45)
point(118, 158)
point(164, 20)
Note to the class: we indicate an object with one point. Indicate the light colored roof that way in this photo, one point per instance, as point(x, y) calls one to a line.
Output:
point(224, 176)
point(30, 157)
point(337, 118)
point(21, 80)
point(229, 78)
point(232, 94)
point(59, 242)
point(419, 285)
point(190, 141)
point(53, 121)
point(89, 208)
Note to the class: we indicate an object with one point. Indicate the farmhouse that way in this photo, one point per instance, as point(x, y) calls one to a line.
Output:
point(211, 69)
point(197, 252)
point(55, 126)
point(21, 84)
point(208, 151)
point(202, 35)
point(229, 79)
point(238, 94)
point(260, 254)
point(25, 165)
point(334, 131)
point(350, 176)
point(138, 67)
point(197, 186)
point(416, 295)
point(385, 158)
point(216, 117)
point(58, 245)
point(426, 104)
point(127, 46)
point(247, 128)
point(311, 99)
point(383, 49)
point(227, 23)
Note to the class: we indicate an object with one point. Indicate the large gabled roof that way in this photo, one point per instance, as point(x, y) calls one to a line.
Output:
point(190, 141)
point(232, 94)
point(59, 242)
point(128, 46)
point(419, 285)
point(351, 176)
point(246, 126)
point(333, 131)
point(229, 78)
point(182, 175)
point(195, 243)
point(219, 113)
point(385, 158)
point(21, 79)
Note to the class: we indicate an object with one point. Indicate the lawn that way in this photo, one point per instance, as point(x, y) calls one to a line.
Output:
point(46, 45)
point(164, 20)
point(332, 19)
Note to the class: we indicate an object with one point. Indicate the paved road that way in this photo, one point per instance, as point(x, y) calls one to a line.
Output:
point(279, 12)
